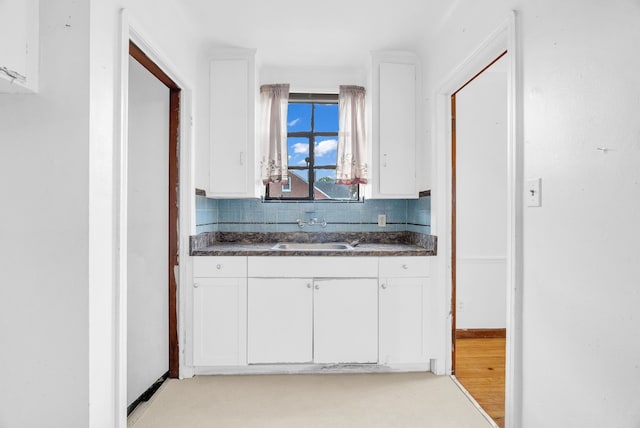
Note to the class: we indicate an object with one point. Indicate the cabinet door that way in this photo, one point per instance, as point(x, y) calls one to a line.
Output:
point(345, 321)
point(19, 46)
point(219, 321)
point(401, 320)
point(232, 107)
point(280, 320)
point(397, 127)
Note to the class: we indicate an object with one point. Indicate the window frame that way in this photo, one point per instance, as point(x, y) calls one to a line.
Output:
point(311, 135)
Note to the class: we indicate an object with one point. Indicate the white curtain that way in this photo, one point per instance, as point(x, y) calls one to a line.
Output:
point(274, 100)
point(352, 150)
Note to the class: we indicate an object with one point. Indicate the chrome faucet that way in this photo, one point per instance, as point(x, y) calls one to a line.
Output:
point(311, 222)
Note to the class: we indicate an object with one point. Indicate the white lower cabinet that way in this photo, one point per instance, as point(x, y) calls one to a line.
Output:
point(345, 315)
point(266, 310)
point(280, 320)
point(219, 321)
point(402, 320)
point(294, 320)
point(403, 294)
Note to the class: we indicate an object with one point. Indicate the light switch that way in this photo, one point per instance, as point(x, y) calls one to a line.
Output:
point(532, 195)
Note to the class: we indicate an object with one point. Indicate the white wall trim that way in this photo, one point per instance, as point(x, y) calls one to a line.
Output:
point(503, 38)
point(515, 189)
point(131, 30)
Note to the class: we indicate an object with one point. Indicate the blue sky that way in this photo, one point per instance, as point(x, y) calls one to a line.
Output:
point(326, 120)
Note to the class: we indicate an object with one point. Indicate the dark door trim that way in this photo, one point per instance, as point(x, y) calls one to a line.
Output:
point(174, 187)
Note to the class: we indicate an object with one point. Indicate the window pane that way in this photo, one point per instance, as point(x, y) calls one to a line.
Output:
point(299, 183)
point(326, 118)
point(299, 117)
point(296, 188)
point(298, 148)
point(325, 186)
point(325, 151)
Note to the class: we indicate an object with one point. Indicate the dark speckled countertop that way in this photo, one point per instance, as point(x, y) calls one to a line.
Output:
point(260, 244)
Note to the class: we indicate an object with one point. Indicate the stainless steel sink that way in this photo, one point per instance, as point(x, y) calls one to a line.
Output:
point(312, 246)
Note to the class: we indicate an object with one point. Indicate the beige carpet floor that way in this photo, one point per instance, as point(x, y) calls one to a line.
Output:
point(327, 400)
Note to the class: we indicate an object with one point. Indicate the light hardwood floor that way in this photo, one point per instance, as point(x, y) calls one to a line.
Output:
point(480, 369)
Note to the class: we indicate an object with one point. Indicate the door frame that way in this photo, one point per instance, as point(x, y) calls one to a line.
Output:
point(503, 38)
point(174, 185)
point(454, 200)
point(182, 203)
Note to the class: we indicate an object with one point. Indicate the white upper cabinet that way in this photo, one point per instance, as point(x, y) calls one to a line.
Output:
point(232, 166)
point(18, 46)
point(395, 110)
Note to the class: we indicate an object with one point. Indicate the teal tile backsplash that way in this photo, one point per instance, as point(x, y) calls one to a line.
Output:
point(254, 215)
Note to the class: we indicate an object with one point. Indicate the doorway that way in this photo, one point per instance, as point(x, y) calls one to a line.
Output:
point(152, 224)
point(479, 227)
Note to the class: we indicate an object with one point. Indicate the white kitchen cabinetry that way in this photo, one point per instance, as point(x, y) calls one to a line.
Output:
point(304, 320)
point(280, 320)
point(404, 285)
point(19, 46)
point(219, 311)
point(395, 106)
point(232, 166)
point(268, 314)
point(297, 314)
point(345, 314)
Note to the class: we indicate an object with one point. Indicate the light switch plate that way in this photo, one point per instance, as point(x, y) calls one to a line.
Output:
point(382, 220)
point(533, 195)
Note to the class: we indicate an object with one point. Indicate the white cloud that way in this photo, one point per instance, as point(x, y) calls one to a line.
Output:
point(300, 148)
point(294, 121)
point(302, 163)
point(326, 146)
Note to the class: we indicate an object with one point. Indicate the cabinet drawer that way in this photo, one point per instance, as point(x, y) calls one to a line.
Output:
point(219, 267)
point(393, 267)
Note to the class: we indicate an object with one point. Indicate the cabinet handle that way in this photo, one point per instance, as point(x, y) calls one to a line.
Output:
point(241, 158)
point(309, 285)
point(384, 286)
point(317, 287)
point(384, 162)
point(218, 267)
point(196, 285)
point(405, 267)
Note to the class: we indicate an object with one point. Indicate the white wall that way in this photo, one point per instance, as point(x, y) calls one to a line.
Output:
point(44, 223)
point(581, 91)
point(148, 173)
point(57, 217)
point(481, 200)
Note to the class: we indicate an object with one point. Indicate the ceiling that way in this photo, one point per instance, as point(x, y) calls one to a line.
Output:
point(328, 33)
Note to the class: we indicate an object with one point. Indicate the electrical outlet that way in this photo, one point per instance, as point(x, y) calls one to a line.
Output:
point(382, 220)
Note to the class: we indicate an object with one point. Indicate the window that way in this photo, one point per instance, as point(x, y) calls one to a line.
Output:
point(312, 141)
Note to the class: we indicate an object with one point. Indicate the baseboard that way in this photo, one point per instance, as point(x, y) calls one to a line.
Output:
point(145, 396)
point(481, 333)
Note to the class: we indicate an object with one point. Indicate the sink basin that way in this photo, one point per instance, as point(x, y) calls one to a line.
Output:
point(312, 246)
